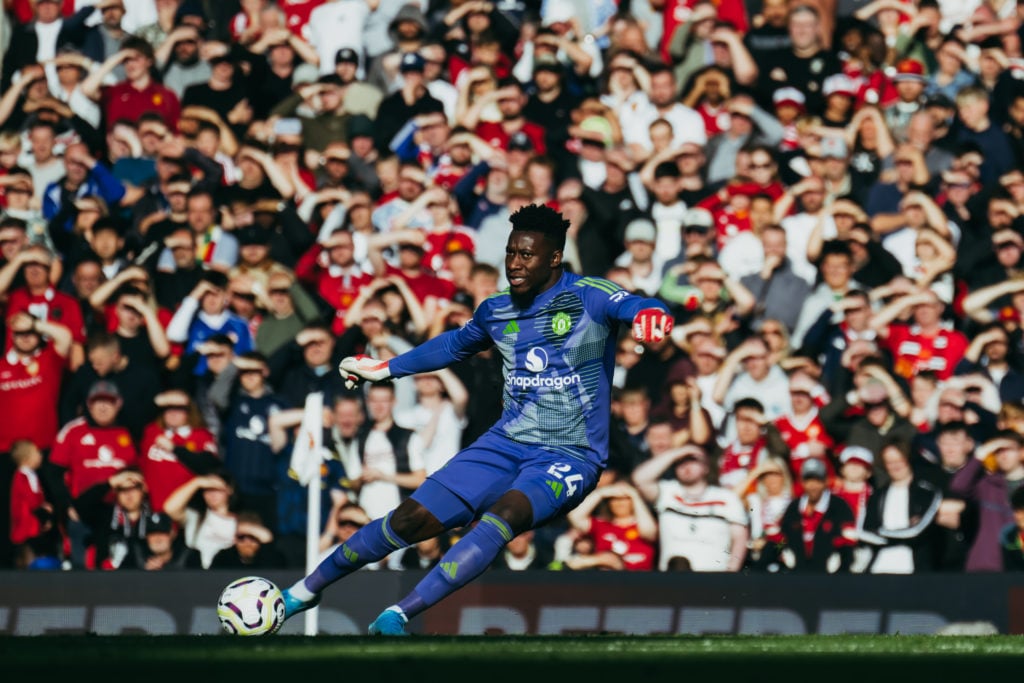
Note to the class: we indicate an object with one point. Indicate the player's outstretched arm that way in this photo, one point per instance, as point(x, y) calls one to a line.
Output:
point(433, 354)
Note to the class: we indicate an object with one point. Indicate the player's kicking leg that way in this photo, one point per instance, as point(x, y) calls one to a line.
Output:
point(373, 542)
point(465, 561)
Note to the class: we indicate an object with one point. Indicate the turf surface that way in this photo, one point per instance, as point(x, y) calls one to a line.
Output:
point(529, 659)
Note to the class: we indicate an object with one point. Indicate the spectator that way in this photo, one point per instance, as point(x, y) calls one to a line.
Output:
point(32, 518)
point(204, 507)
point(81, 444)
point(817, 528)
point(619, 522)
point(903, 514)
point(117, 529)
point(175, 447)
point(254, 548)
point(989, 490)
point(165, 549)
point(767, 493)
point(706, 524)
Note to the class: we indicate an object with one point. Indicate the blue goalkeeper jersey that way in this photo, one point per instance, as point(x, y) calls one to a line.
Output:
point(557, 355)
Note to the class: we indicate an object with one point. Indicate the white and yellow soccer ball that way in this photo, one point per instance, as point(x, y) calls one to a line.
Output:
point(251, 606)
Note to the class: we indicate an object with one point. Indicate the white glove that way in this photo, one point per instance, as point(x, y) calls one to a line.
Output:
point(357, 368)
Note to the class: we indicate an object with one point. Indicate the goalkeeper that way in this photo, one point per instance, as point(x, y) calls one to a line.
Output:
point(556, 333)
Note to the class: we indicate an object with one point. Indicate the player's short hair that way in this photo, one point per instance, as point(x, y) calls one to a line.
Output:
point(542, 219)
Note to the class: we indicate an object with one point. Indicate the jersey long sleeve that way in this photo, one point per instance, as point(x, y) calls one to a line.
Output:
point(557, 354)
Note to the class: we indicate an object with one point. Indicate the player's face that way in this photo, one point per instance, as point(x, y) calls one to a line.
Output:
point(531, 263)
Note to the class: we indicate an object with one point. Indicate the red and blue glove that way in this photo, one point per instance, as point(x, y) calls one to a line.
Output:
point(358, 368)
point(652, 325)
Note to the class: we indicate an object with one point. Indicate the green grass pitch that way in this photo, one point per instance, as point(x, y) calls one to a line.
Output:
point(524, 659)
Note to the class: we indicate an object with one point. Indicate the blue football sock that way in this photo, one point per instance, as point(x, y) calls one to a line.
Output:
point(373, 542)
point(466, 560)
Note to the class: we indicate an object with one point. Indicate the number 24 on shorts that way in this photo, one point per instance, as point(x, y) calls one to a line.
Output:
point(559, 471)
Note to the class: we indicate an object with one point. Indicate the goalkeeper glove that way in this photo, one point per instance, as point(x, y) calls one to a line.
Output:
point(652, 325)
point(357, 368)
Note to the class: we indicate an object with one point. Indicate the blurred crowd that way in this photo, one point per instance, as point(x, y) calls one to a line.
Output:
point(205, 205)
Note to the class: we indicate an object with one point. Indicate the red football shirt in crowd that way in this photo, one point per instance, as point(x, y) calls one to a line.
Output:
point(123, 101)
point(52, 306)
point(91, 454)
point(29, 391)
point(26, 497)
point(913, 351)
point(162, 469)
point(625, 541)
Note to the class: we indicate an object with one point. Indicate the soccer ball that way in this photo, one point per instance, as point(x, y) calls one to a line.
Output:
point(251, 606)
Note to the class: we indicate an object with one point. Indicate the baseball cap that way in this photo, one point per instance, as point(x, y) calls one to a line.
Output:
point(346, 54)
point(909, 70)
point(520, 141)
point(789, 96)
point(360, 125)
point(839, 84)
point(698, 218)
point(411, 61)
point(857, 454)
point(813, 468)
point(641, 230)
point(158, 523)
point(103, 390)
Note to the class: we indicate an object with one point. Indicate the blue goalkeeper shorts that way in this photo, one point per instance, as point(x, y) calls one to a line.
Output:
point(476, 477)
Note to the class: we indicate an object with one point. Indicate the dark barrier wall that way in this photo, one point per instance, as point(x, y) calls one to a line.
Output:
point(533, 603)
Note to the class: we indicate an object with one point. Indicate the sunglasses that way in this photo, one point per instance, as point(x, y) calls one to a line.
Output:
point(247, 537)
point(349, 522)
point(282, 291)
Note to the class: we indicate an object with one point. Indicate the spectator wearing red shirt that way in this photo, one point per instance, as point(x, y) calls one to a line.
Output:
point(802, 428)
point(619, 522)
point(29, 506)
point(175, 447)
point(511, 100)
point(39, 298)
point(330, 268)
point(924, 344)
point(427, 287)
point(31, 374)
point(138, 93)
point(88, 451)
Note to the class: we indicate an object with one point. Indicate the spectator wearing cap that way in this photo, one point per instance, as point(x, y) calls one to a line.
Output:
point(116, 511)
point(697, 233)
point(138, 92)
point(972, 105)
point(818, 528)
point(989, 488)
point(33, 371)
point(640, 259)
point(254, 547)
point(910, 82)
point(401, 106)
point(38, 296)
point(360, 96)
point(853, 485)
point(704, 523)
point(88, 450)
point(788, 104)
point(164, 549)
point(777, 285)
point(802, 429)
point(203, 314)
point(175, 446)
point(840, 92)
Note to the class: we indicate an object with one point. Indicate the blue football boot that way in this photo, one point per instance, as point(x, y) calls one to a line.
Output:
point(389, 623)
point(292, 605)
